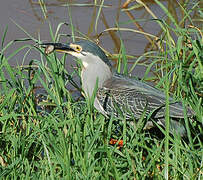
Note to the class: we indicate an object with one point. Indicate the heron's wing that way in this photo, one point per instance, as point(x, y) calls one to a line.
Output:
point(135, 97)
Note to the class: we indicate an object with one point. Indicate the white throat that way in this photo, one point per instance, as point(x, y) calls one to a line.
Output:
point(93, 69)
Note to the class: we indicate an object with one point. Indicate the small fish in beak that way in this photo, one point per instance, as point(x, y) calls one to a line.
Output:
point(60, 47)
point(49, 49)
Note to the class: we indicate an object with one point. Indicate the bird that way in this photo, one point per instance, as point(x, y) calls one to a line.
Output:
point(117, 93)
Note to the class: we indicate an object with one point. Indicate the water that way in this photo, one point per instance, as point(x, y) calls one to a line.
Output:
point(29, 15)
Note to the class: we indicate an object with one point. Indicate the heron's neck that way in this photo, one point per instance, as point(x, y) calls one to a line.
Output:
point(92, 74)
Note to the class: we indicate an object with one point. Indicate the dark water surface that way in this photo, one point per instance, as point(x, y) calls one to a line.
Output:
point(28, 14)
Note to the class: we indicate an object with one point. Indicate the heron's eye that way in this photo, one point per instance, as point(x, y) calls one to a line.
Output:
point(78, 48)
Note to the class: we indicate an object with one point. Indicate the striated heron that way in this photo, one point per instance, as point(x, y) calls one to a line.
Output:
point(116, 91)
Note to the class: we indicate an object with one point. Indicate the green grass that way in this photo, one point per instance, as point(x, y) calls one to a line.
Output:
point(52, 135)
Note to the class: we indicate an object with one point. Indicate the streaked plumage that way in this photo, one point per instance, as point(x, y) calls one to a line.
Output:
point(137, 96)
point(118, 92)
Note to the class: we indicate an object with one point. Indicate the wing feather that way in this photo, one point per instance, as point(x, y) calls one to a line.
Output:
point(133, 96)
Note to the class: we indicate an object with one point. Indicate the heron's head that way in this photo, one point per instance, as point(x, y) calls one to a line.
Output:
point(88, 52)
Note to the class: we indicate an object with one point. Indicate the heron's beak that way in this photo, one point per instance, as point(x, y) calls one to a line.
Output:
point(50, 47)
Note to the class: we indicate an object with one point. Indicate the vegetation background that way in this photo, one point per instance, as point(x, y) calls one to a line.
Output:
point(48, 131)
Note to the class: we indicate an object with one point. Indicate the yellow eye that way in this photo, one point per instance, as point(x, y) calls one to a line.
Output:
point(78, 48)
